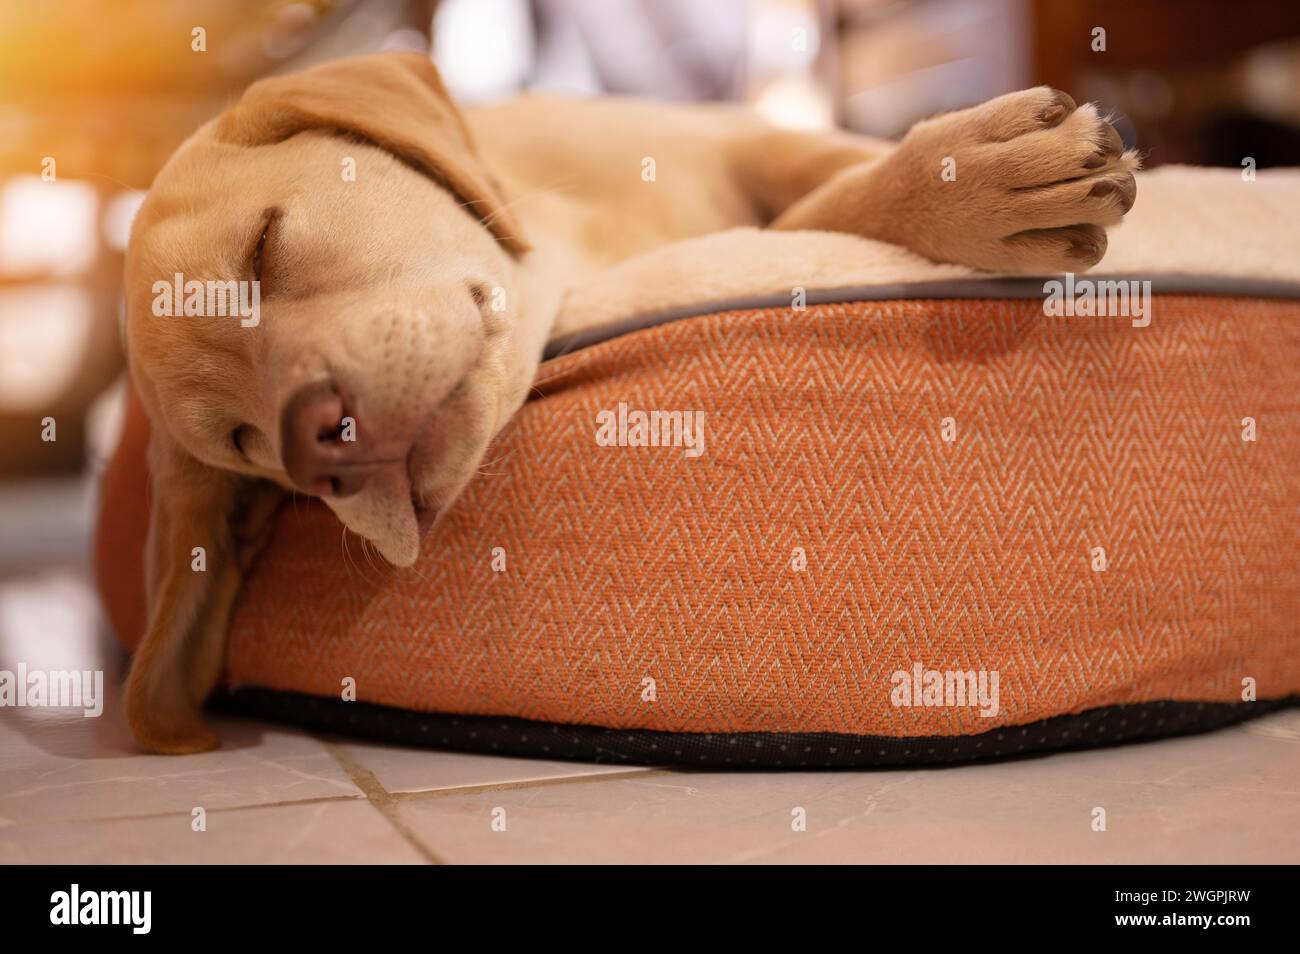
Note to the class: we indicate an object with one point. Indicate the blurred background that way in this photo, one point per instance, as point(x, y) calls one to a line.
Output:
point(95, 94)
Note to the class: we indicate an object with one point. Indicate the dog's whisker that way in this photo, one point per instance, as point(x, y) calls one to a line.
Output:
point(373, 558)
point(368, 554)
point(343, 546)
point(415, 572)
point(500, 208)
point(353, 564)
point(563, 184)
point(506, 455)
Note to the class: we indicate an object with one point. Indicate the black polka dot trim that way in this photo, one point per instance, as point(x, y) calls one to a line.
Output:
point(1112, 725)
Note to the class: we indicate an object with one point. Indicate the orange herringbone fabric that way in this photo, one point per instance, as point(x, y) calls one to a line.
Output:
point(824, 431)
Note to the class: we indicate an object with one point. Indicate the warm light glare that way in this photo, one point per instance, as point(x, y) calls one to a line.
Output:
point(47, 227)
point(795, 102)
point(119, 213)
point(483, 47)
point(44, 332)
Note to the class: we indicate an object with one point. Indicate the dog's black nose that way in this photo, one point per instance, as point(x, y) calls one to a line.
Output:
point(319, 443)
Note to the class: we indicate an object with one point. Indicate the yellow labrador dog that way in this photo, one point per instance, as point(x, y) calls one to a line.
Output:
point(343, 285)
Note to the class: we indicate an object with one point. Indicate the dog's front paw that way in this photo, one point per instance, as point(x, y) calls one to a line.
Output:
point(182, 741)
point(1027, 182)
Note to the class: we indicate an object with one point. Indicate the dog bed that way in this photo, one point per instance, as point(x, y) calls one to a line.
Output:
point(897, 523)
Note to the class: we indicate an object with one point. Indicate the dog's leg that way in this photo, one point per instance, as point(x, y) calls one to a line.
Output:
point(1025, 182)
point(777, 167)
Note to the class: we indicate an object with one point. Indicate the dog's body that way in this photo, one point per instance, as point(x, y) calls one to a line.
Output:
point(413, 262)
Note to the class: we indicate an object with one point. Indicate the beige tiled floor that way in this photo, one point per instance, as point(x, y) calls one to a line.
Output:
point(74, 789)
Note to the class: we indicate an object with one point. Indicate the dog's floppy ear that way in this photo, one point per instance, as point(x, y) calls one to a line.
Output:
point(205, 528)
point(396, 101)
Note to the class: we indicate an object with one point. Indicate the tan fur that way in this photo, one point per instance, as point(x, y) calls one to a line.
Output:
point(430, 284)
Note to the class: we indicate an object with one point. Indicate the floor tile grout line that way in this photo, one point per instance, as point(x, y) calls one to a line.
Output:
point(577, 776)
point(378, 796)
point(362, 794)
point(528, 783)
point(186, 812)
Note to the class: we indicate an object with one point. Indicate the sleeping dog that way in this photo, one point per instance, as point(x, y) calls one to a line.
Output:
point(394, 268)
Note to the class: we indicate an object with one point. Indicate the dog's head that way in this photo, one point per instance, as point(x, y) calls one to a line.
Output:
point(320, 292)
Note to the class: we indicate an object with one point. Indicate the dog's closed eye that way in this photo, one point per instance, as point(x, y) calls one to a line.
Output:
point(258, 259)
point(239, 437)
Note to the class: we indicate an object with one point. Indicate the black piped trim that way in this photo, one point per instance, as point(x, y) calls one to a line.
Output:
point(948, 289)
point(502, 735)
